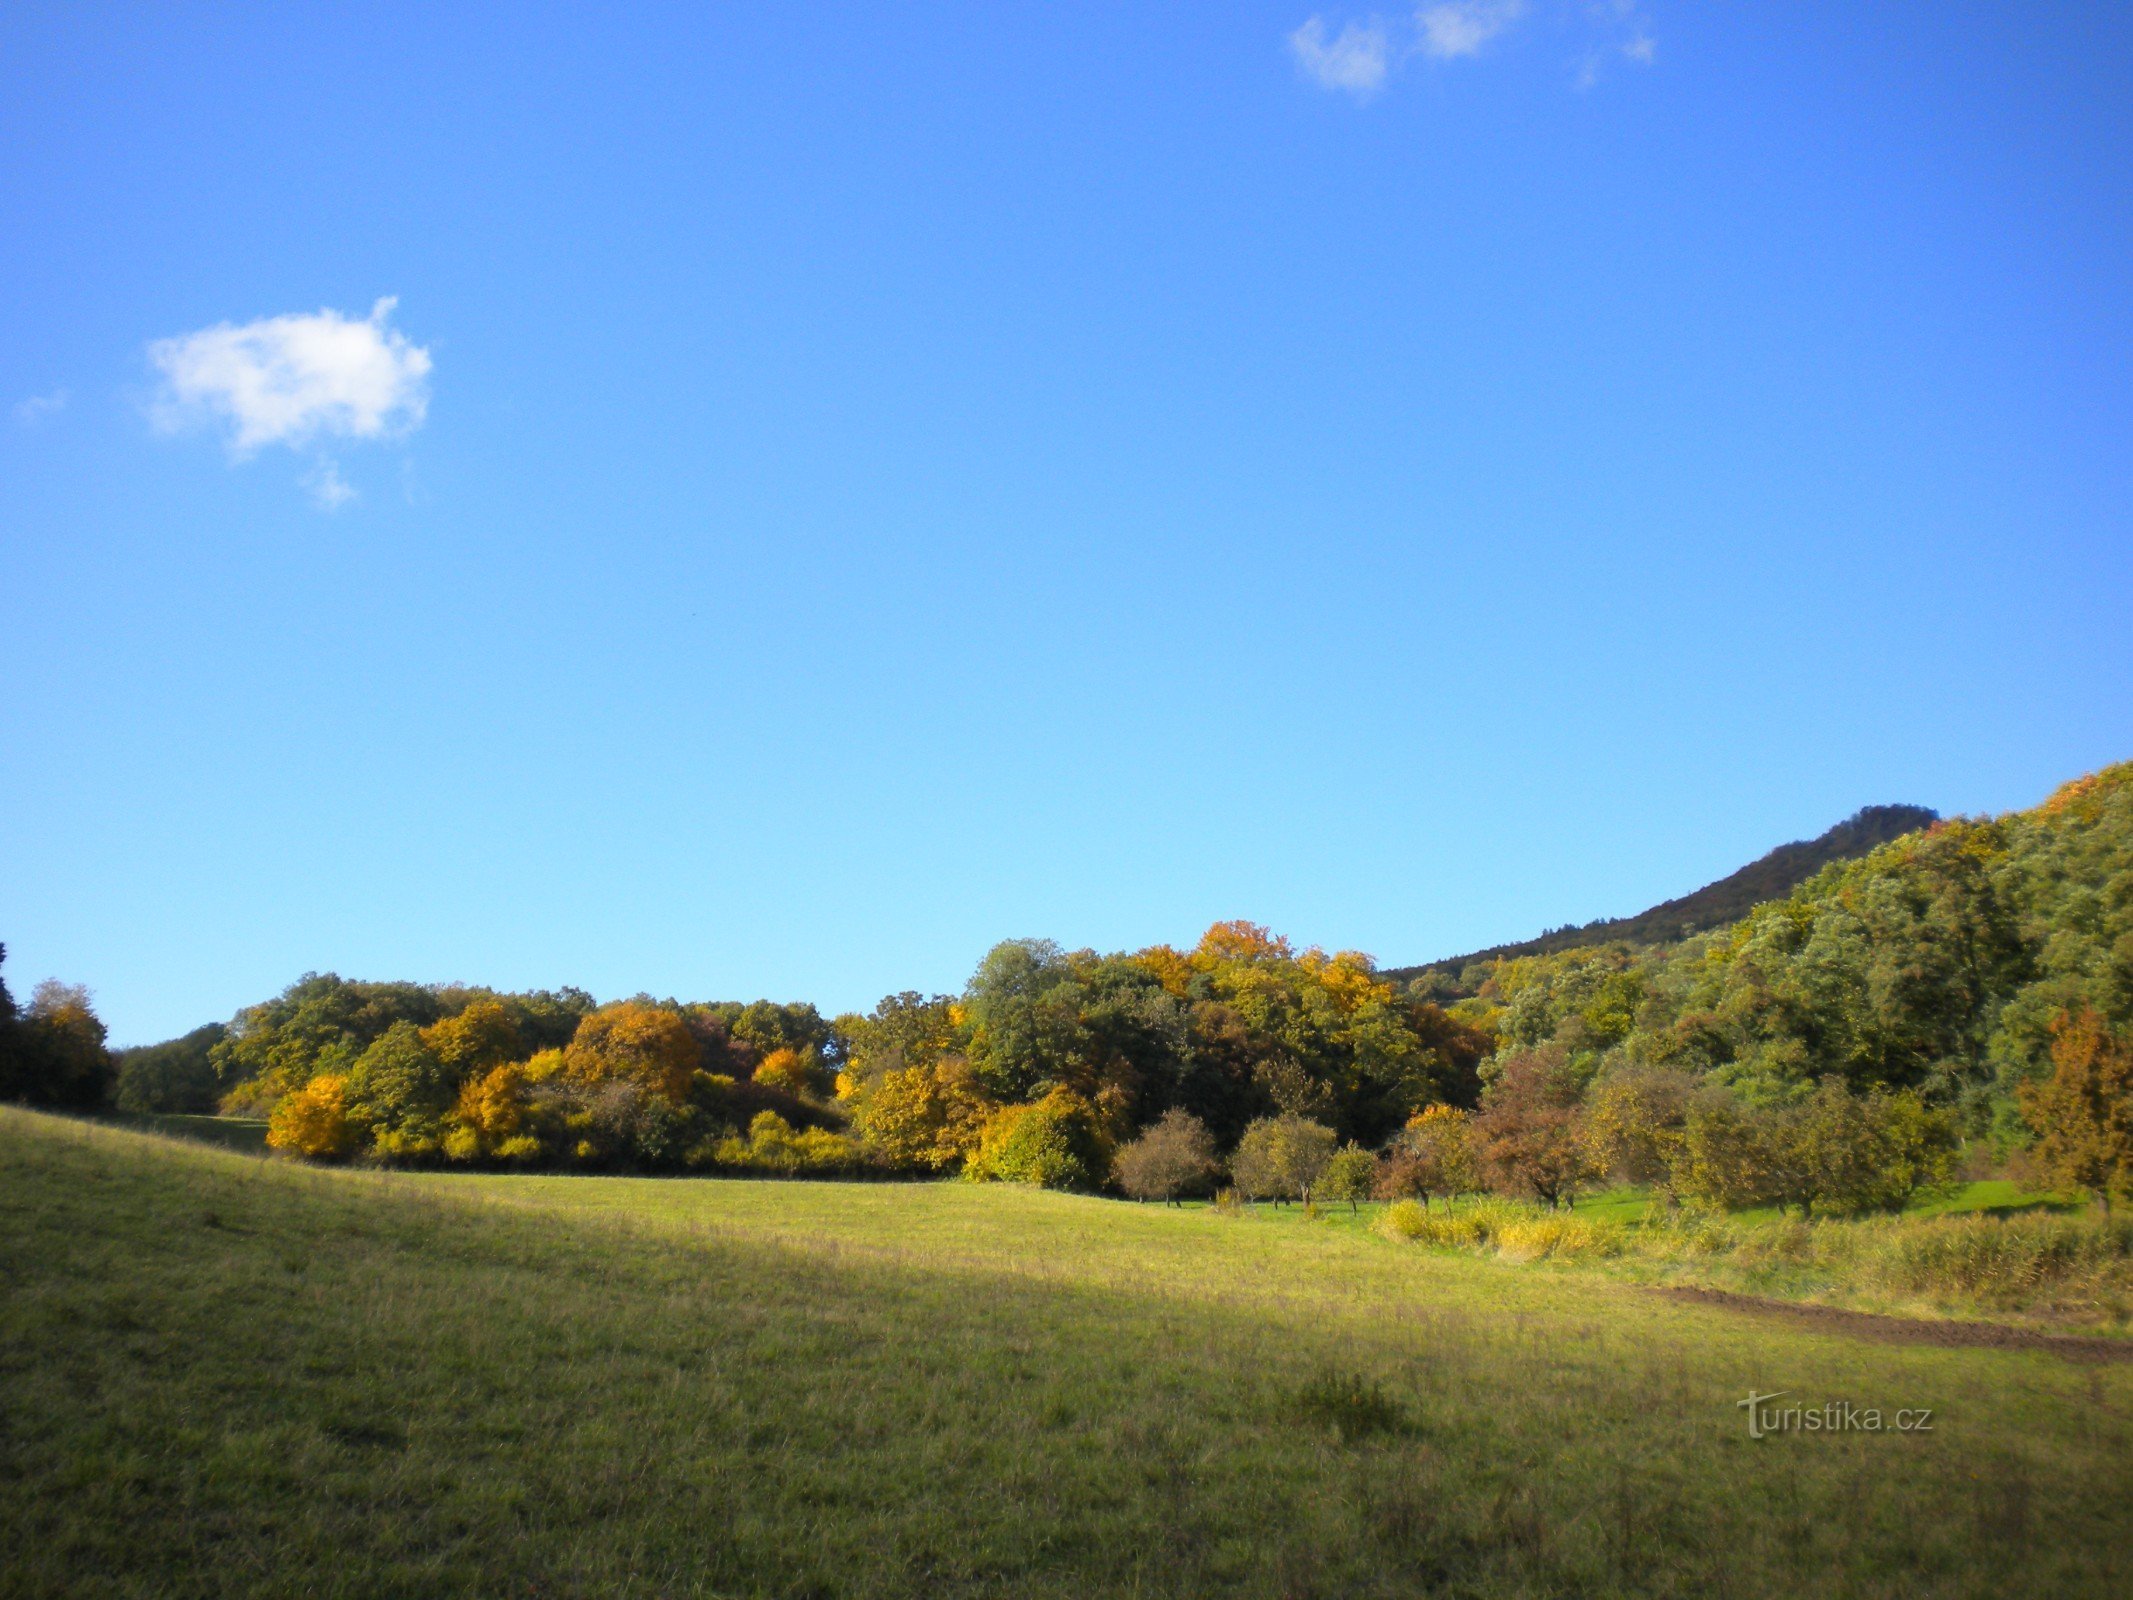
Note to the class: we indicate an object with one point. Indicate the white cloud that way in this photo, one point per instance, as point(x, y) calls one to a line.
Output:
point(37, 407)
point(1365, 55)
point(1356, 60)
point(328, 489)
point(1462, 27)
point(295, 378)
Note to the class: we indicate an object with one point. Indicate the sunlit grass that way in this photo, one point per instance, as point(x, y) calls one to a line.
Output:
point(229, 1375)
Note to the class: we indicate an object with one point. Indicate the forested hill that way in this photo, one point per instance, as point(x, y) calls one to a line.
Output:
point(1714, 905)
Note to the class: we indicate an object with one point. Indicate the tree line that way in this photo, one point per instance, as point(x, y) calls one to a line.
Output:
point(1967, 984)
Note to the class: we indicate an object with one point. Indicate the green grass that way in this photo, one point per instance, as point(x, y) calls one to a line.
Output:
point(229, 1375)
point(237, 1133)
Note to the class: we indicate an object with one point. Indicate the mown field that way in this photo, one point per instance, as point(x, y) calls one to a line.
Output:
point(221, 1374)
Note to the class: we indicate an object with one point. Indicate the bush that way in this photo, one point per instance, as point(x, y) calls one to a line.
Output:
point(1175, 1157)
point(1054, 1143)
point(2000, 1262)
point(774, 1145)
point(1533, 1238)
point(313, 1121)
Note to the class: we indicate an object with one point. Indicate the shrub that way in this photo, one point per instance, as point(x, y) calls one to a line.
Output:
point(313, 1121)
point(1404, 1219)
point(2001, 1262)
point(774, 1145)
point(1054, 1143)
point(1174, 1157)
point(1532, 1238)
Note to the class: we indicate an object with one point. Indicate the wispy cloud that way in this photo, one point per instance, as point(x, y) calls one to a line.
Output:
point(294, 379)
point(37, 407)
point(1364, 56)
point(1625, 36)
point(1356, 59)
point(329, 491)
point(1461, 27)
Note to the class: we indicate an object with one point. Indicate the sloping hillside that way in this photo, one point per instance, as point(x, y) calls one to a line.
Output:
point(1732, 897)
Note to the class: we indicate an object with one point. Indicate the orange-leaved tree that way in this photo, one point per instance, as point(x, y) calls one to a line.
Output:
point(634, 1041)
point(2083, 1112)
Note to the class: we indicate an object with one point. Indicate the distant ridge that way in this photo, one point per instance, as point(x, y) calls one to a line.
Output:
point(1715, 904)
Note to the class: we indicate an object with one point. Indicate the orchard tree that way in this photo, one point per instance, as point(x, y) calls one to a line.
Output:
point(1174, 1157)
point(1432, 1155)
point(1349, 1176)
point(1281, 1158)
point(1526, 1133)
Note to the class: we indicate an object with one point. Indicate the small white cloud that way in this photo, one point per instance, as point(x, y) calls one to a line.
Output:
point(1461, 27)
point(37, 407)
point(1643, 49)
point(329, 490)
point(295, 378)
point(1356, 60)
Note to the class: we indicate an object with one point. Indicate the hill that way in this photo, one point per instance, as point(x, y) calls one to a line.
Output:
point(1732, 897)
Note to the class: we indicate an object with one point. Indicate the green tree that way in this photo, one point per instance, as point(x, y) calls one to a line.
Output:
point(1281, 1158)
point(1056, 1143)
point(1349, 1176)
point(52, 1053)
point(177, 1075)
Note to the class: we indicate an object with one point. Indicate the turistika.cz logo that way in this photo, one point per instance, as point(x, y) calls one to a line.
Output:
point(1831, 1416)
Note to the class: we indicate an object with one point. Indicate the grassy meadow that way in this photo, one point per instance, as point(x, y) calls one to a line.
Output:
point(228, 1375)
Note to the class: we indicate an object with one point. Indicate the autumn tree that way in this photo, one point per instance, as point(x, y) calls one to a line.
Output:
point(793, 1071)
point(931, 1116)
point(52, 1053)
point(1634, 1124)
point(1349, 1176)
point(1281, 1158)
point(1526, 1132)
point(313, 1121)
point(646, 1044)
point(1174, 1157)
point(1055, 1143)
point(2083, 1113)
point(1432, 1155)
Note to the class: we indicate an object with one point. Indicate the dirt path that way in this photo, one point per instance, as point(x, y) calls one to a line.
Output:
point(1911, 1330)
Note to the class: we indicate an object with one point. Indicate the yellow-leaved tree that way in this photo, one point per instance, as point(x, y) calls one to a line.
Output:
point(313, 1121)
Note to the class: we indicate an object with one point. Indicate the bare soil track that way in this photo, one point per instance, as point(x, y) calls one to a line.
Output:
point(1911, 1330)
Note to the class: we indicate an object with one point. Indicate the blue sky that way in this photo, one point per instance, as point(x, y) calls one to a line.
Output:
point(837, 487)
